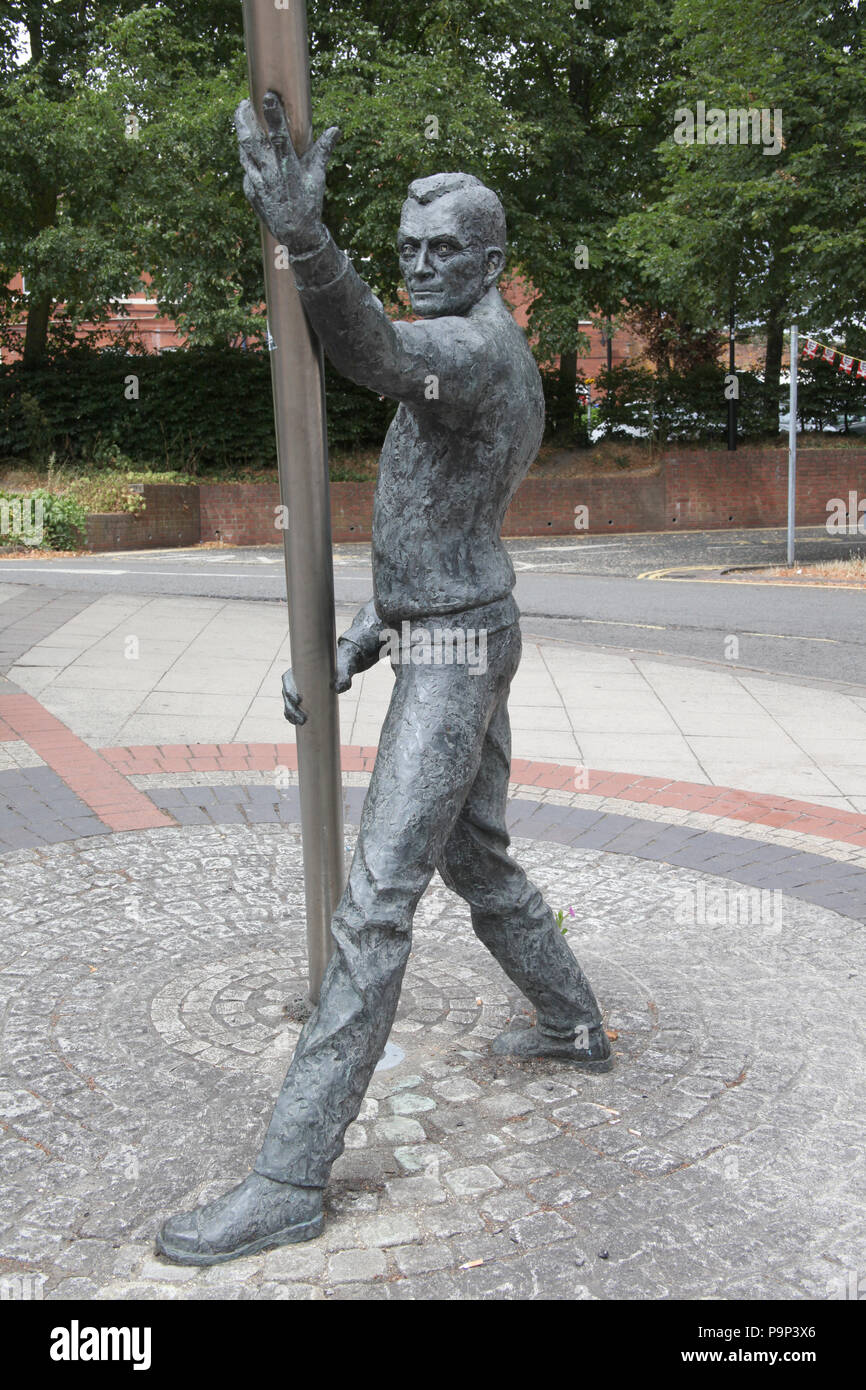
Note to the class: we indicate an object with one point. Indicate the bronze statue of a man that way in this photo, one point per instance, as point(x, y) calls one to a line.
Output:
point(467, 429)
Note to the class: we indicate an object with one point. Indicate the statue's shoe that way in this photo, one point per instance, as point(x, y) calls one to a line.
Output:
point(526, 1043)
point(257, 1215)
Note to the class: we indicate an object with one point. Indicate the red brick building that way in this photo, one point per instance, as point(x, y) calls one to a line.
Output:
point(138, 317)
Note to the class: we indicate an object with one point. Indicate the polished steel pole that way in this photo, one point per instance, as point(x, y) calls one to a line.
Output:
point(278, 61)
point(792, 447)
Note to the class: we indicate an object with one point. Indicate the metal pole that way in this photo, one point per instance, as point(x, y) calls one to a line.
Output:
point(277, 58)
point(792, 447)
point(732, 368)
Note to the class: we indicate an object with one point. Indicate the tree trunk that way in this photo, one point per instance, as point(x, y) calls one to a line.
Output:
point(566, 396)
point(40, 306)
point(773, 371)
point(45, 209)
point(33, 22)
point(36, 334)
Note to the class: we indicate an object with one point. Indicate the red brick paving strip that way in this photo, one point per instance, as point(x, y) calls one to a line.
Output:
point(100, 778)
point(105, 790)
point(756, 808)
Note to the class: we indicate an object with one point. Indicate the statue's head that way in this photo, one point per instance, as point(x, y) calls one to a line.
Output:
point(451, 243)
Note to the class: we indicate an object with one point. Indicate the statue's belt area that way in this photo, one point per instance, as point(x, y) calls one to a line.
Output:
point(487, 617)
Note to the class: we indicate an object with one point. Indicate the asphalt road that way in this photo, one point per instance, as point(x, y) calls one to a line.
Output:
point(595, 591)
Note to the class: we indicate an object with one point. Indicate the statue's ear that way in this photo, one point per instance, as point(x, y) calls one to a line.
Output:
point(495, 263)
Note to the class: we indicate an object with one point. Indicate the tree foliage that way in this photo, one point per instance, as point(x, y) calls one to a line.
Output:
point(117, 159)
point(771, 232)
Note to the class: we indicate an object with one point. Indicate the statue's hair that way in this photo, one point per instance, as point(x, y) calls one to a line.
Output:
point(490, 214)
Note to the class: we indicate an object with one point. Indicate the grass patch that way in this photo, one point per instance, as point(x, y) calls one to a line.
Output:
point(612, 456)
point(850, 570)
point(102, 486)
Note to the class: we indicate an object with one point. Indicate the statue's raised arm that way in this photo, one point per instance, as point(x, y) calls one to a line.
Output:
point(419, 363)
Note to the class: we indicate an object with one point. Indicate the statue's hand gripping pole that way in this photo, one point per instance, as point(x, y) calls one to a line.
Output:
point(286, 189)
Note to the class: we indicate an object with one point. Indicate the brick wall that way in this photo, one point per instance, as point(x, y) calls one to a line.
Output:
point(689, 489)
point(170, 518)
point(240, 513)
point(750, 487)
point(246, 513)
point(546, 506)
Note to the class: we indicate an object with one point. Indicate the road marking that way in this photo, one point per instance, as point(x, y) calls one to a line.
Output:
point(583, 545)
point(614, 622)
point(677, 571)
point(687, 574)
point(661, 627)
point(795, 637)
point(27, 568)
point(148, 573)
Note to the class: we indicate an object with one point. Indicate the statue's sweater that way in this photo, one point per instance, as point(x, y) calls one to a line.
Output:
point(468, 427)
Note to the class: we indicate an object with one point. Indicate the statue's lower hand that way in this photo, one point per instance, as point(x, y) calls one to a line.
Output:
point(286, 191)
point(292, 701)
point(348, 665)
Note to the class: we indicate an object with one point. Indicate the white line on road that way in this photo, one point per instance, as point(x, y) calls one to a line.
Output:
point(663, 627)
point(614, 622)
point(150, 573)
point(61, 569)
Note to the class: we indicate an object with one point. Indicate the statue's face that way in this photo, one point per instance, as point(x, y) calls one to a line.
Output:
point(445, 263)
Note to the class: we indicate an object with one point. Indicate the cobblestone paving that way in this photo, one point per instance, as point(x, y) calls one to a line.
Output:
point(143, 985)
point(757, 863)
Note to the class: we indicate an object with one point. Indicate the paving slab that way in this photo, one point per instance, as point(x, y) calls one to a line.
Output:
point(192, 678)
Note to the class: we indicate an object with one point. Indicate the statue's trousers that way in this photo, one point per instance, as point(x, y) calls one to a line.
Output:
point(437, 799)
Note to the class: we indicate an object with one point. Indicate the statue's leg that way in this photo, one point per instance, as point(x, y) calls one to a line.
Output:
point(510, 916)
point(429, 754)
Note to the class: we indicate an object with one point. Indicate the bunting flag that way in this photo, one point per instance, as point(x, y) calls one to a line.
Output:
point(812, 349)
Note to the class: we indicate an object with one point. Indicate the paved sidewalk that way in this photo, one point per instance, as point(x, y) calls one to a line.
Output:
point(152, 909)
point(138, 670)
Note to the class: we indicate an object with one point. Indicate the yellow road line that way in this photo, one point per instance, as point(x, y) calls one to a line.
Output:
point(685, 574)
point(673, 571)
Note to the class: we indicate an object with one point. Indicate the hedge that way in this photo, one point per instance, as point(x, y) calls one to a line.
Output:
point(194, 409)
point(204, 408)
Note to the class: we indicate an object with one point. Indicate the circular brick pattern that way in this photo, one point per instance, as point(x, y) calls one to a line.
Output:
point(233, 1012)
point(143, 989)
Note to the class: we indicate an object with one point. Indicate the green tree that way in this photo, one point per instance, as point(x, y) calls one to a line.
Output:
point(585, 86)
point(77, 84)
point(734, 223)
point(117, 157)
